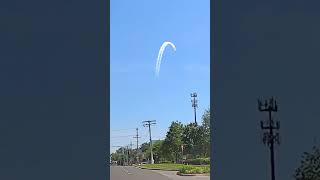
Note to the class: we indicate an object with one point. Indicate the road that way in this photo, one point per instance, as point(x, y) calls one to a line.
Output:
point(132, 173)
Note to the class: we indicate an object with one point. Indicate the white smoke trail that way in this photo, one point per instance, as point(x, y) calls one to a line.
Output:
point(162, 48)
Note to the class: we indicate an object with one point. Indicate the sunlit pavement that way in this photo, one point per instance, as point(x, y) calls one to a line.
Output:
point(133, 173)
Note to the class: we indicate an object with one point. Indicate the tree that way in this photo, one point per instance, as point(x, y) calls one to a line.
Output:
point(309, 168)
point(197, 138)
point(156, 149)
point(191, 138)
point(173, 140)
point(118, 156)
point(165, 151)
point(144, 147)
point(115, 157)
point(205, 132)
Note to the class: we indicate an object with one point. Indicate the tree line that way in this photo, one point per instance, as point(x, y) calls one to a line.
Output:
point(182, 142)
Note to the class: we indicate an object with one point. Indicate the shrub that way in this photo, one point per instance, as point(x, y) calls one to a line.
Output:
point(187, 169)
point(198, 161)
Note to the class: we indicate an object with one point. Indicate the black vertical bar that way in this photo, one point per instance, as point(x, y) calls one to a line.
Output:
point(151, 153)
point(195, 115)
point(271, 147)
point(137, 140)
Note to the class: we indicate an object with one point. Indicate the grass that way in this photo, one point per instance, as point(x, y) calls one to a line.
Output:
point(186, 169)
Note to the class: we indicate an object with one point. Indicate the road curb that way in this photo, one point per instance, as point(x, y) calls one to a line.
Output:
point(181, 174)
point(178, 173)
point(157, 169)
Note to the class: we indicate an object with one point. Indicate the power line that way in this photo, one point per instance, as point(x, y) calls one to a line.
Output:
point(121, 136)
point(121, 129)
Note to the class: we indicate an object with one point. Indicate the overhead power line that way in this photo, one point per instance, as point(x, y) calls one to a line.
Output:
point(121, 129)
point(121, 136)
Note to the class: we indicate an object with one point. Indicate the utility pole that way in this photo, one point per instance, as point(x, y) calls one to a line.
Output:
point(270, 128)
point(148, 124)
point(194, 102)
point(137, 137)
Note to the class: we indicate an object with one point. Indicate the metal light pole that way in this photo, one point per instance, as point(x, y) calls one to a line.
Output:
point(269, 127)
point(194, 102)
point(148, 124)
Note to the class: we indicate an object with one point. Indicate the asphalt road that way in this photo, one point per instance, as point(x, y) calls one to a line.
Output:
point(132, 173)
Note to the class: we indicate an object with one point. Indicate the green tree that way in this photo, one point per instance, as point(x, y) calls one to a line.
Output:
point(165, 151)
point(205, 132)
point(115, 157)
point(144, 147)
point(309, 168)
point(118, 156)
point(173, 139)
point(191, 138)
point(197, 138)
point(156, 150)
point(144, 151)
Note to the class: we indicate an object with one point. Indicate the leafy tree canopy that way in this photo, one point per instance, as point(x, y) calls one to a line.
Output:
point(309, 168)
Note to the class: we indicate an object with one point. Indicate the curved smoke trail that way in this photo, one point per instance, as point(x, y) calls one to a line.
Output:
point(162, 48)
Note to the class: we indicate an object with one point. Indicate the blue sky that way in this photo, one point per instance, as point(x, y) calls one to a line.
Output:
point(138, 29)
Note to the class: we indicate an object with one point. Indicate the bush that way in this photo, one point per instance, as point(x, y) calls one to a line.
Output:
point(198, 161)
point(187, 169)
point(166, 166)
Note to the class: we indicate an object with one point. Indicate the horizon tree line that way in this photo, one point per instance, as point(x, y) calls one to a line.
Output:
point(182, 142)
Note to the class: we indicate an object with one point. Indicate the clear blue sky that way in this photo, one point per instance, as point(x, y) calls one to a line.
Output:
point(138, 29)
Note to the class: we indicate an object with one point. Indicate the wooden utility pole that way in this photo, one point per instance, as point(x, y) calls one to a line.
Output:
point(137, 151)
point(148, 124)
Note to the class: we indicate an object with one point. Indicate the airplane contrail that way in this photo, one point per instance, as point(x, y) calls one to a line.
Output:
point(162, 48)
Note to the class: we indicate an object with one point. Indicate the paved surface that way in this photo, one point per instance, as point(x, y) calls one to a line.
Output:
point(132, 173)
point(173, 175)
